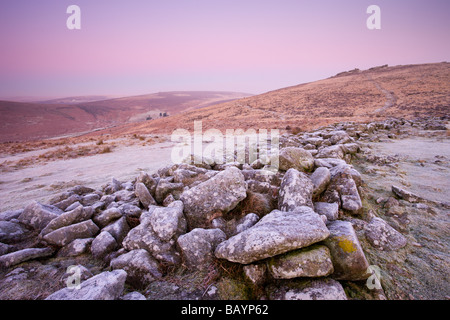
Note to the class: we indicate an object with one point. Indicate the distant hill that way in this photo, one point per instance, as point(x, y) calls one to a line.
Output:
point(400, 91)
point(33, 121)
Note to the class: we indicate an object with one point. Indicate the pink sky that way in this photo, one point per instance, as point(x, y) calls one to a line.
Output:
point(137, 47)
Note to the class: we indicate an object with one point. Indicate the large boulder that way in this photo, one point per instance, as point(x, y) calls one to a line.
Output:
point(168, 222)
point(197, 247)
point(295, 191)
point(140, 266)
point(313, 261)
point(317, 289)
point(64, 235)
point(157, 232)
point(37, 215)
point(214, 197)
point(348, 258)
point(104, 286)
point(297, 158)
point(103, 244)
point(77, 215)
point(276, 233)
point(335, 151)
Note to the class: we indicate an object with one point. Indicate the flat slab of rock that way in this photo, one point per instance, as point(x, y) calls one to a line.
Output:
point(348, 258)
point(276, 233)
point(406, 195)
point(65, 235)
point(382, 236)
point(313, 261)
point(214, 197)
point(296, 190)
point(37, 215)
point(104, 286)
point(320, 289)
point(79, 214)
point(20, 256)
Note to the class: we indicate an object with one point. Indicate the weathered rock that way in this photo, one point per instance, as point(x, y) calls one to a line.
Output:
point(64, 235)
point(256, 273)
point(330, 210)
point(343, 189)
point(63, 204)
point(141, 268)
point(104, 286)
point(320, 289)
point(313, 261)
point(11, 232)
point(168, 222)
point(81, 190)
point(4, 248)
point(335, 151)
point(144, 195)
point(347, 256)
point(75, 248)
point(382, 236)
point(168, 200)
point(320, 178)
point(276, 233)
point(406, 195)
point(77, 215)
point(148, 181)
point(9, 215)
point(295, 191)
point(144, 237)
point(124, 195)
point(37, 215)
point(165, 187)
point(296, 158)
point(214, 197)
point(339, 137)
point(105, 217)
point(197, 247)
point(103, 244)
point(13, 258)
point(245, 223)
point(133, 296)
point(90, 199)
point(328, 162)
point(118, 229)
point(351, 148)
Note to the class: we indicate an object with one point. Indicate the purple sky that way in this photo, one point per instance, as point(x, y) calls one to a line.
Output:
point(137, 47)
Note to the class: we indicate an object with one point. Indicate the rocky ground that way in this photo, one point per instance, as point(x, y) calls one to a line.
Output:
point(342, 219)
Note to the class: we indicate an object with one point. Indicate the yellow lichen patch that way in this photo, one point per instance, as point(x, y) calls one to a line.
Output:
point(346, 245)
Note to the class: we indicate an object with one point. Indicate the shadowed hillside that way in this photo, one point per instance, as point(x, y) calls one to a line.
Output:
point(33, 121)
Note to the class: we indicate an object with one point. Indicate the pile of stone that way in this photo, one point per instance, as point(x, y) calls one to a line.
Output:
point(296, 226)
